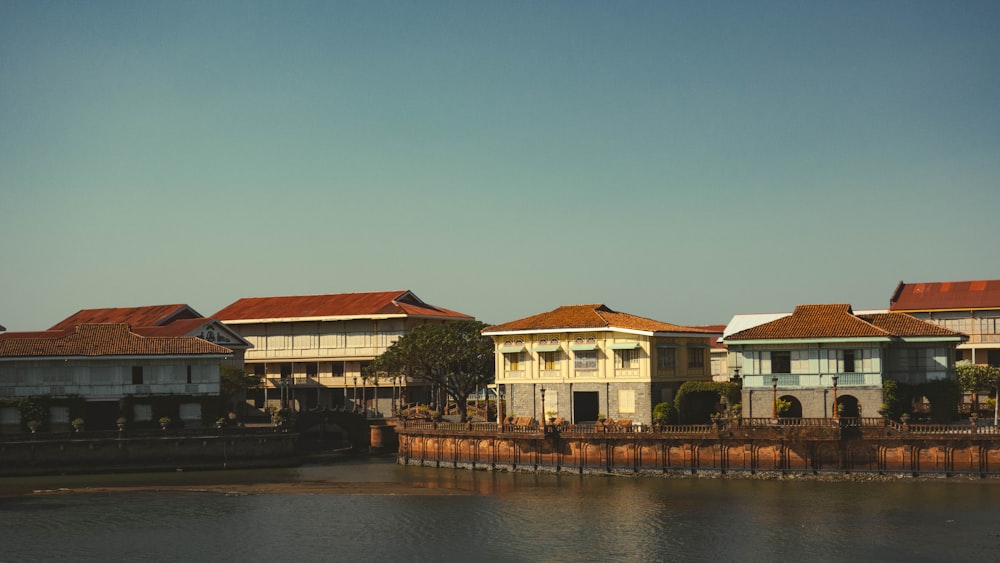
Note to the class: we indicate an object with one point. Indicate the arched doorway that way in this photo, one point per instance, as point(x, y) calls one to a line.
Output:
point(794, 409)
point(848, 406)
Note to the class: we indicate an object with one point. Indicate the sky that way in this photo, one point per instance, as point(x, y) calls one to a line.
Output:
point(682, 161)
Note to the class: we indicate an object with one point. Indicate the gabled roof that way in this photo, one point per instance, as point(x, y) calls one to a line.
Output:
point(591, 317)
point(154, 315)
point(101, 340)
point(838, 321)
point(938, 296)
point(382, 304)
point(156, 320)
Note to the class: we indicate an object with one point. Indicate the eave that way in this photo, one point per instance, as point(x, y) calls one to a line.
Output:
point(112, 357)
point(381, 317)
point(808, 340)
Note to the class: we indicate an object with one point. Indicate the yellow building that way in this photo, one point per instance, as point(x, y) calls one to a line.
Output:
point(588, 360)
point(310, 350)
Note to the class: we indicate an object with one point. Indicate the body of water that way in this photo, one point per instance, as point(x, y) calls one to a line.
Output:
point(364, 510)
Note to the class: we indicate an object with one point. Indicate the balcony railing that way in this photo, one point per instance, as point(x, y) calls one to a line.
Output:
point(812, 380)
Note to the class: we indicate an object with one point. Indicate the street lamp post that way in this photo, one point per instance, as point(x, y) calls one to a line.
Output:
point(836, 413)
point(543, 406)
point(354, 395)
point(774, 397)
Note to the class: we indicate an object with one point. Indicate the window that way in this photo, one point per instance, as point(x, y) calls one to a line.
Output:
point(696, 357)
point(311, 369)
point(286, 370)
point(781, 362)
point(550, 360)
point(585, 360)
point(626, 401)
point(993, 357)
point(666, 358)
point(136, 375)
point(189, 374)
point(259, 370)
point(848, 361)
point(627, 359)
point(337, 369)
point(512, 361)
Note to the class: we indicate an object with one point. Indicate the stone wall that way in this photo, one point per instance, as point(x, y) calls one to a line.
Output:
point(46, 455)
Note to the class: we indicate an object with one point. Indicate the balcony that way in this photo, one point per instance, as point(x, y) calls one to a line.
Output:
point(813, 380)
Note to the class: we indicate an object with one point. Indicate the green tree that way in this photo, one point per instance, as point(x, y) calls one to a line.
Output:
point(974, 378)
point(234, 384)
point(454, 356)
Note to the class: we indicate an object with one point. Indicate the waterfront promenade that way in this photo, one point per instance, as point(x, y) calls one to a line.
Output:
point(742, 447)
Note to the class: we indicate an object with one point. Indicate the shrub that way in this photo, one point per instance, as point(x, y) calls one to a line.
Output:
point(665, 413)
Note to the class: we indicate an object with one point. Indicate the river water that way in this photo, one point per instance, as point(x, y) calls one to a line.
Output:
point(375, 510)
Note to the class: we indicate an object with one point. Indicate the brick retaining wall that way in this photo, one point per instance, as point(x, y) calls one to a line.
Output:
point(824, 447)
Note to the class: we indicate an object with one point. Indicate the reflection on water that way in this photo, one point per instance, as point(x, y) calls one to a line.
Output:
point(506, 517)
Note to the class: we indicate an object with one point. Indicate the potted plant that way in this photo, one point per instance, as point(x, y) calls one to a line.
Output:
point(77, 424)
point(552, 416)
point(165, 422)
point(220, 422)
point(34, 425)
point(120, 421)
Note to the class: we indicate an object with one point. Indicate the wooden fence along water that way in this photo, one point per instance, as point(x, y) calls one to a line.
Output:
point(747, 446)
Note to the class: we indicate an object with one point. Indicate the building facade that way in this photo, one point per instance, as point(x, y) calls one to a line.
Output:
point(969, 307)
point(823, 356)
point(100, 372)
point(311, 350)
point(591, 360)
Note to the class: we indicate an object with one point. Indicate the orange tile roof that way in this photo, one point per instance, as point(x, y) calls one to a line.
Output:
point(596, 316)
point(960, 295)
point(154, 315)
point(334, 305)
point(101, 340)
point(839, 321)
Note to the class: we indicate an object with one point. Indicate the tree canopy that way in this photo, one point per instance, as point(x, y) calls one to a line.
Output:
point(976, 377)
point(234, 383)
point(453, 355)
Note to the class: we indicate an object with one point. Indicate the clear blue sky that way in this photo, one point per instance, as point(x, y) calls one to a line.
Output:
point(683, 161)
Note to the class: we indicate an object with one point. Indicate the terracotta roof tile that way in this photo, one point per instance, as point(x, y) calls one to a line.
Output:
point(101, 340)
point(334, 305)
point(960, 295)
point(901, 324)
point(839, 321)
point(595, 316)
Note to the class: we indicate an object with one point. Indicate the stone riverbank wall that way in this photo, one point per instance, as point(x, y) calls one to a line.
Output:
point(98, 452)
point(803, 446)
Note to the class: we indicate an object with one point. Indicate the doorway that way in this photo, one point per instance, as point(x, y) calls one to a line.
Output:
point(585, 406)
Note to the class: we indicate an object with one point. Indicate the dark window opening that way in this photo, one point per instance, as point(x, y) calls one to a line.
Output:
point(136, 375)
point(849, 361)
point(781, 362)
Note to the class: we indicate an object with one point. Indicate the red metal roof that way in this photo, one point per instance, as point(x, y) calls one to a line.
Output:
point(595, 316)
point(101, 340)
point(839, 321)
point(335, 305)
point(960, 295)
point(154, 315)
